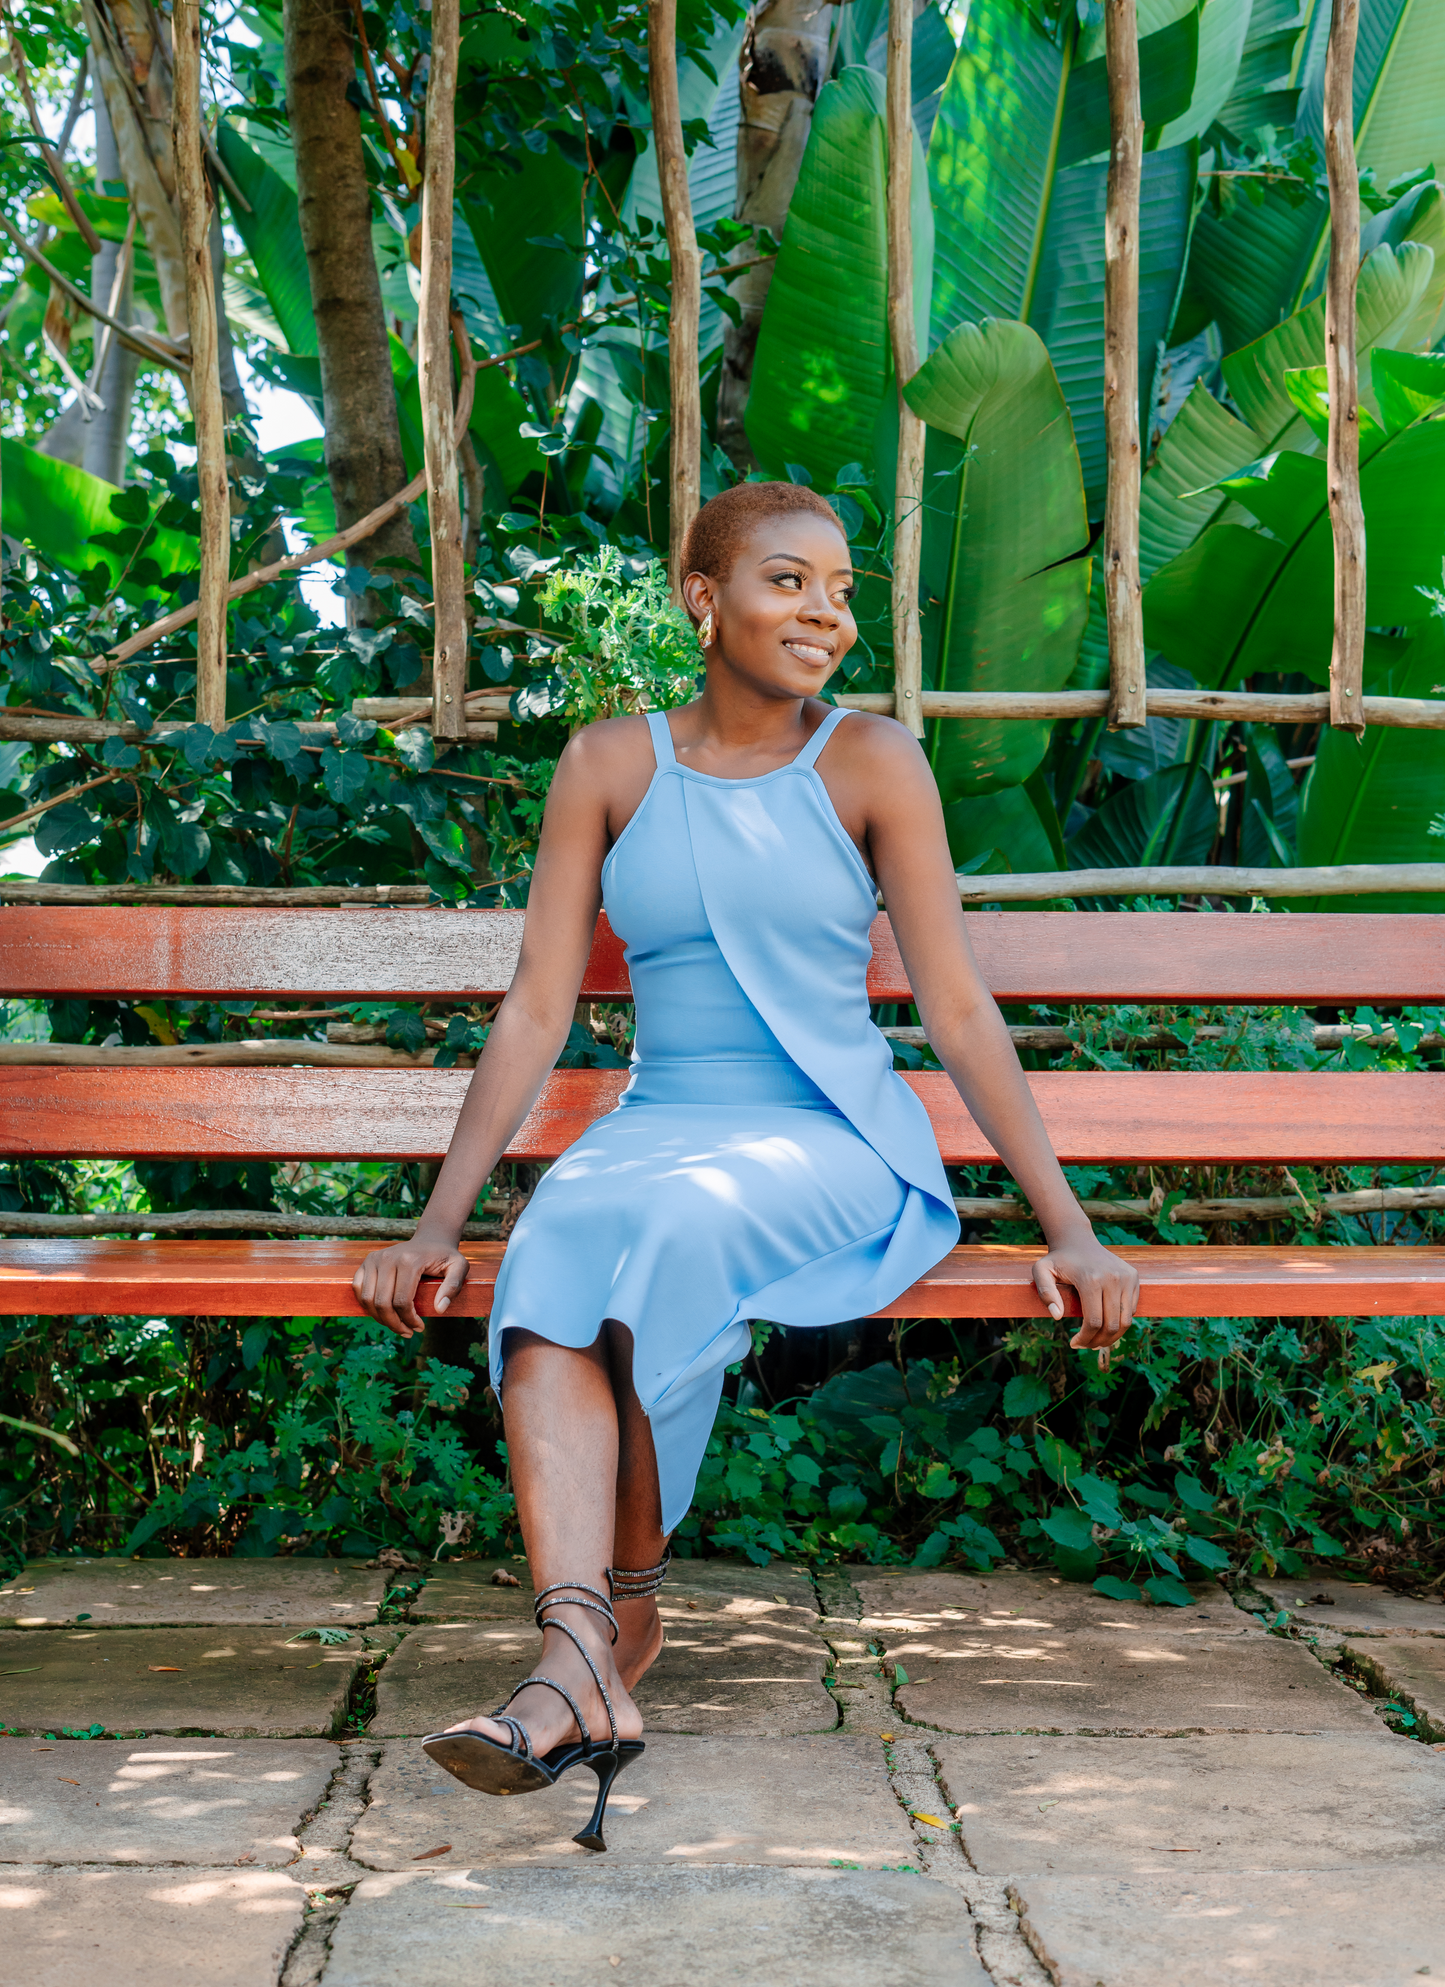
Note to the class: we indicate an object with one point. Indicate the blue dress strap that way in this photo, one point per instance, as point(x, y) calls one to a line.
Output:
point(661, 739)
point(807, 758)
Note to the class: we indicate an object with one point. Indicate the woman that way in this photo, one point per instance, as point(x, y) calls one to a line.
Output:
point(764, 1160)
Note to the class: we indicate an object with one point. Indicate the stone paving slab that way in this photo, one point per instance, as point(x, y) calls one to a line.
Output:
point(132, 1928)
point(745, 1927)
point(1026, 1603)
point(159, 1801)
point(753, 1678)
point(1108, 1684)
point(1131, 1807)
point(687, 1801)
point(1341, 1928)
point(1352, 1607)
point(1411, 1668)
point(162, 1593)
point(462, 1590)
point(242, 1683)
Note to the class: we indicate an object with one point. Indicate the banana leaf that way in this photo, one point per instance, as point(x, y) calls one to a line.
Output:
point(1004, 525)
point(60, 510)
point(1271, 803)
point(1263, 92)
point(272, 234)
point(822, 366)
point(511, 215)
point(1239, 600)
point(1399, 85)
point(1169, 817)
point(1382, 798)
point(1006, 828)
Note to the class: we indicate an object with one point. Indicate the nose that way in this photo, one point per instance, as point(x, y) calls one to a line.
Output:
point(816, 606)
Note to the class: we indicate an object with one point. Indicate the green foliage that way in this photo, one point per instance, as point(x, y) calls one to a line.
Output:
point(1216, 1445)
point(627, 647)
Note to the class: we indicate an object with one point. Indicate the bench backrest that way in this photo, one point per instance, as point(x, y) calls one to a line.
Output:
point(1054, 956)
point(1059, 957)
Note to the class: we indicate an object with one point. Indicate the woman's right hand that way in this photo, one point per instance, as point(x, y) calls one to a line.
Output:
point(385, 1285)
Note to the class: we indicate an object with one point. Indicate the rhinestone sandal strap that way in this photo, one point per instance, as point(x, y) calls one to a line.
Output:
point(562, 1691)
point(637, 1584)
point(521, 1737)
point(575, 1587)
point(585, 1654)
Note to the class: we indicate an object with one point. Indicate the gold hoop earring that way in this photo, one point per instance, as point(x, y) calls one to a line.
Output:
point(705, 633)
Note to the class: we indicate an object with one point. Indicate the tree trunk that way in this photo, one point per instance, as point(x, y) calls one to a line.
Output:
point(363, 438)
point(1122, 598)
point(107, 437)
point(783, 65)
point(903, 338)
point(685, 445)
point(131, 64)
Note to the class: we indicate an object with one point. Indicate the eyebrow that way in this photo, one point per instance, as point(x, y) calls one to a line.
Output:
point(798, 560)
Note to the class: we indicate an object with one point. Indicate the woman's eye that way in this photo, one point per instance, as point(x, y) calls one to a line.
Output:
point(795, 578)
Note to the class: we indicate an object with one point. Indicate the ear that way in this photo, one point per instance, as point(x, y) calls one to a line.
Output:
point(697, 595)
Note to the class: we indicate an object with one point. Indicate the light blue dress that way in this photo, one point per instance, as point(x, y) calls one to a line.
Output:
point(764, 1160)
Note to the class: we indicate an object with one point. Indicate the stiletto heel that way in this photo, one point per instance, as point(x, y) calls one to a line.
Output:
point(517, 1767)
point(607, 1766)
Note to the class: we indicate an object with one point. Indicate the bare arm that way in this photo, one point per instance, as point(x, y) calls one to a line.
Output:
point(525, 1039)
point(905, 834)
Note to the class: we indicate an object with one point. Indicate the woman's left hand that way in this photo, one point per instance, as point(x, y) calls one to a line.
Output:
point(1108, 1290)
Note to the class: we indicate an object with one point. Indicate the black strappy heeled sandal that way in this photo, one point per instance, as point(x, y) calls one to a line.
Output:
point(517, 1768)
point(642, 1585)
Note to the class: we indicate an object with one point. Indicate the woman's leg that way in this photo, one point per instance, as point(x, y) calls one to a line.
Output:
point(638, 1539)
point(561, 1423)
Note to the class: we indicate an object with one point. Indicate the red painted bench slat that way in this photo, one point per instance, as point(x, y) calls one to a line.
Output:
point(415, 955)
point(1345, 1117)
point(313, 1279)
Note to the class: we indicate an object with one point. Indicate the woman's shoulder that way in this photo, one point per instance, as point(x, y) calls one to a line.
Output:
point(869, 743)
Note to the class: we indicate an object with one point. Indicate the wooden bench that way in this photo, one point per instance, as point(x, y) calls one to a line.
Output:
point(407, 1113)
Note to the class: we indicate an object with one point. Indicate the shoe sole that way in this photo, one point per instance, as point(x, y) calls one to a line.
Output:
point(483, 1765)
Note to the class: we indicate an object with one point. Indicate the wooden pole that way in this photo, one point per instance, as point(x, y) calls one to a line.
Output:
point(1342, 449)
point(903, 338)
point(193, 196)
point(1123, 607)
point(444, 507)
point(685, 491)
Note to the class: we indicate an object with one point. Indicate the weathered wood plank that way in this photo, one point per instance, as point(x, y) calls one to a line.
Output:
point(1229, 1118)
point(366, 953)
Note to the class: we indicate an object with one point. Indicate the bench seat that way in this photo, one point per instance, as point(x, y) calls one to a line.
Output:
point(984, 1280)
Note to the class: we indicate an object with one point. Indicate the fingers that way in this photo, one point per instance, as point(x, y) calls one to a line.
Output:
point(453, 1277)
point(1047, 1287)
point(385, 1285)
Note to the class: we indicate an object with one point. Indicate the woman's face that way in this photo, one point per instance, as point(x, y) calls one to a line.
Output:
point(781, 619)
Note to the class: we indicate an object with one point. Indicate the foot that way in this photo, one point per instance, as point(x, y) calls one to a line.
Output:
point(639, 1639)
point(546, 1716)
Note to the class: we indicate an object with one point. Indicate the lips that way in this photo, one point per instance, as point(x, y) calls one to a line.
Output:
point(814, 652)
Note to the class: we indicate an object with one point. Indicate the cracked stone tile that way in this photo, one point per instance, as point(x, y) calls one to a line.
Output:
point(159, 1800)
point(235, 1681)
point(1351, 1607)
point(1137, 1807)
point(802, 1801)
point(132, 1927)
point(1408, 1668)
point(166, 1593)
point(752, 1927)
point(1104, 1684)
point(1347, 1928)
point(740, 1676)
point(1027, 1604)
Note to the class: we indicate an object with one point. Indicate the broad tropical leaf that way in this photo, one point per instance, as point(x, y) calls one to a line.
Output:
point(1003, 524)
point(1399, 85)
point(272, 234)
point(1375, 800)
point(1263, 92)
point(1003, 827)
point(509, 216)
point(59, 509)
point(1171, 817)
point(1239, 600)
point(822, 364)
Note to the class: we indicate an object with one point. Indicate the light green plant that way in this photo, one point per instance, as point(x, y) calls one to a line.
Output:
point(628, 648)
